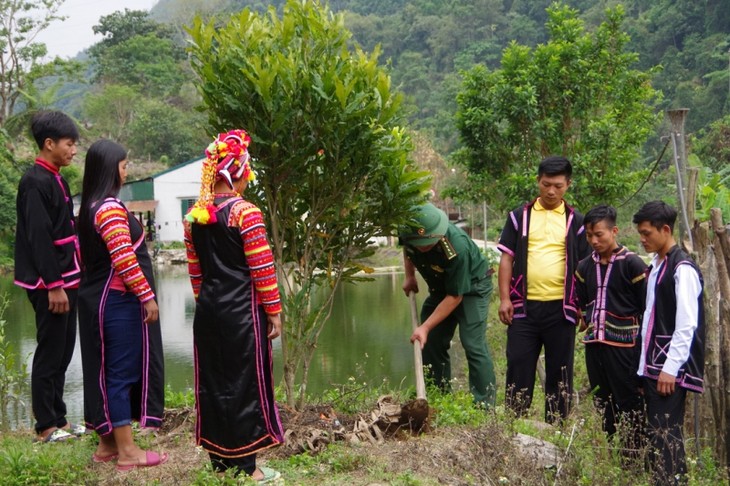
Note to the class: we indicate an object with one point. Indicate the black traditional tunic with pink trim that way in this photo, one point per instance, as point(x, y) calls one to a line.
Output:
point(147, 397)
point(237, 415)
point(612, 297)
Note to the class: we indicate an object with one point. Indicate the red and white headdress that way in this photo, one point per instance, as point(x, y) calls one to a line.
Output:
point(227, 159)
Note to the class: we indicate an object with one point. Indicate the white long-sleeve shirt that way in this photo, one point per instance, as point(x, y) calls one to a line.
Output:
point(687, 291)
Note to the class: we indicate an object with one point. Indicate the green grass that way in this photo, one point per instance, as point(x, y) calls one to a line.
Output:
point(179, 399)
point(455, 408)
point(173, 245)
point(25, 462)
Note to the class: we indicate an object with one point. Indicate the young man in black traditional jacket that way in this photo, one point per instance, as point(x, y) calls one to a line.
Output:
point(611, 288)
point(672, 337)
point(47, 266)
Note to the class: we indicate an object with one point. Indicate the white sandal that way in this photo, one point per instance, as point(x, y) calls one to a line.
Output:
point(58, 435)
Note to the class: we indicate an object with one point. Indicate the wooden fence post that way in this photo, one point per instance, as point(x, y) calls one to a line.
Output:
point(721, 244)
point(711, 401)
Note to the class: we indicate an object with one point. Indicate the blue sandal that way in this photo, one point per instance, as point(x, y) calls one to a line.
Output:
point(270, 475)
point(76, 429)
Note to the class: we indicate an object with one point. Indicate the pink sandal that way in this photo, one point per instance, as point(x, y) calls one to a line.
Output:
point(152, 459)
point(101, 459)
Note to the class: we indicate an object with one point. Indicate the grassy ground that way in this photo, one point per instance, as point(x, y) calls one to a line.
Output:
point(465, 445)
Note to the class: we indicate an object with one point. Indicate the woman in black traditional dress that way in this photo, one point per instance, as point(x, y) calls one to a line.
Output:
point(121, 342)
point(237, 314)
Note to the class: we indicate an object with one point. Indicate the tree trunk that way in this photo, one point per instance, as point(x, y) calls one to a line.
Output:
point(289, 373)
point(306, 361)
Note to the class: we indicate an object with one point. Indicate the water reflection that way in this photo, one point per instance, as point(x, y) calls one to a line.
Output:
point(366, 337)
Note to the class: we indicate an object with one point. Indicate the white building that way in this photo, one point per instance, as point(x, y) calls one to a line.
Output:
point(164, 198)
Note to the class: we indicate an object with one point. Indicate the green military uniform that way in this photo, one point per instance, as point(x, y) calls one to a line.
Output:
point(454, 266)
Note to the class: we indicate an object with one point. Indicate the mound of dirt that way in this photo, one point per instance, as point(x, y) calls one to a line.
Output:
point(448, 455)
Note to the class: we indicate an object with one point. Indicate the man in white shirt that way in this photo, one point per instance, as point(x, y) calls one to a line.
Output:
point(672, 337)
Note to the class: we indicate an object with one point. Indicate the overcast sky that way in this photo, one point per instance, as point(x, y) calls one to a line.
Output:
point(74, 34)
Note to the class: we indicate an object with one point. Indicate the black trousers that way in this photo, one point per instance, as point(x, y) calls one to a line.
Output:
point(246, 464)
point(665, 416)
point(615, 384)
point(545, 325)
point(56, 338)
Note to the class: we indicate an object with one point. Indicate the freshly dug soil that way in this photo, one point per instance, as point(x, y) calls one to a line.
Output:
point(447, 455)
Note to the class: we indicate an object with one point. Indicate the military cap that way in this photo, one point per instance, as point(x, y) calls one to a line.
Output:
point(427, 227)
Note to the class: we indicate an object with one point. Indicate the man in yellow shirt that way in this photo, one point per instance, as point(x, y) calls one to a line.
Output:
point(541, 244)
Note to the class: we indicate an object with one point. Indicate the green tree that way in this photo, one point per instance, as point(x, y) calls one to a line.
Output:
point(20, 55)
point(713, 190)
point(143, 95)
point(8, 182)
point(112, 108)
point(138, 52)
point(690, 40)
point(145, 62)
point(160, 129)
point(119, 27)
point(46, 93)
point(331, 157)
point(712, 144)
point(576, 95)
point(148, 128)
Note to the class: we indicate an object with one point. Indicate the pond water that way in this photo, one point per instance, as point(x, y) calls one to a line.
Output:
point(366, 337)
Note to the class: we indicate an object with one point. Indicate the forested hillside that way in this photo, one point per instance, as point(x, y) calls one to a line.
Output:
point(428, 42)
point(142, 91)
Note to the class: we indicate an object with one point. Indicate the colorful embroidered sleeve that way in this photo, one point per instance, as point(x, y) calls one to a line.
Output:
point(196, 276)
point(256, 247)
point(113, 226)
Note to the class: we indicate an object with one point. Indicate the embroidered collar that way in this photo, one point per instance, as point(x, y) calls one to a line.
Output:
point(597, 258)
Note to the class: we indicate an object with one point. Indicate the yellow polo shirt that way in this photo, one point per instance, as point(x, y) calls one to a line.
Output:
point(546, 253)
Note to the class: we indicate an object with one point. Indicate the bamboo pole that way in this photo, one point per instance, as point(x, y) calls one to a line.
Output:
point(677, 118)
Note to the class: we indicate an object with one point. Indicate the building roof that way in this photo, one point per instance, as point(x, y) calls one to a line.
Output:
point(141, 191)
